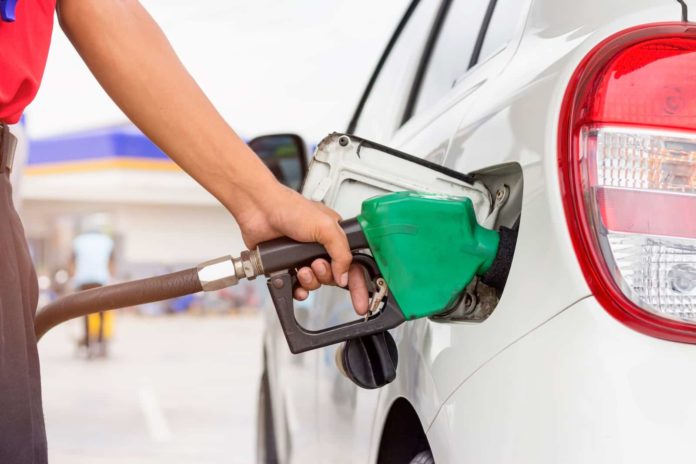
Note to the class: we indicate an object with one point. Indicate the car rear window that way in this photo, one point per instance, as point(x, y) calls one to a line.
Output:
point(451, 55)
point(385, 102)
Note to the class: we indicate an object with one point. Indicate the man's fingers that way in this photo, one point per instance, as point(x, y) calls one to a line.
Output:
point(300, 294)
point(358, 289)
point(335, 241)
point(307, 279)
point(322, 270)
point(356, 283)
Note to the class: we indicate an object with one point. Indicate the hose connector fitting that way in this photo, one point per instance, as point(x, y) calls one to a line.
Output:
point(227, 271)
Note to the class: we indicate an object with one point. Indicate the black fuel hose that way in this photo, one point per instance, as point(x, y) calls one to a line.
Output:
point(116, 296)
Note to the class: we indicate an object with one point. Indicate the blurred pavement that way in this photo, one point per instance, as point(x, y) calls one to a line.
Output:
point(174, 390)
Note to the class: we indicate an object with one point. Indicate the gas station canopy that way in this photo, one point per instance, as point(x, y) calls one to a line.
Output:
point(114, 164)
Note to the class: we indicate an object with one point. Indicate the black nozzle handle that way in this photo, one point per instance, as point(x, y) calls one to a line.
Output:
point(284, 253)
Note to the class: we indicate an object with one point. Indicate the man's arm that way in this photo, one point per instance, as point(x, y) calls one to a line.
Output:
point(133, 61)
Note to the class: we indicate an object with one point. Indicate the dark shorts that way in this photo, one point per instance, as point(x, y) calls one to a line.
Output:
point(22, 431)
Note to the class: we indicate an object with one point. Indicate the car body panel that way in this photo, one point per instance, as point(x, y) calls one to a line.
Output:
point(527, 91)
point(522, 107)
point(581, 388)
point(505, 109)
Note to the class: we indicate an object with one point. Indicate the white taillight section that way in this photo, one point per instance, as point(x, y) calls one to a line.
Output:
point(657, 273)
point(640, 186)
point(627, 165)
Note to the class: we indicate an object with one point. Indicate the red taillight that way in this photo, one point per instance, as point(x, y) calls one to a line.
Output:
point(627, 159)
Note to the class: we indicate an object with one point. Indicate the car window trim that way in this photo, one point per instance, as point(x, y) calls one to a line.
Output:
point(430, 43)
point(482, 33)
point(430, 46)
point(380, 64)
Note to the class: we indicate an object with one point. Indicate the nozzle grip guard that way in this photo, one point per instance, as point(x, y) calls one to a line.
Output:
point(301, 339)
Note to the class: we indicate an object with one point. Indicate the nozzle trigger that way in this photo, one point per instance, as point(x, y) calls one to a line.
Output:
point(300, 339)
point(378, 297)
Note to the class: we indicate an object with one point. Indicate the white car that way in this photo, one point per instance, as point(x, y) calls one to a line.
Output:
point(584, 114)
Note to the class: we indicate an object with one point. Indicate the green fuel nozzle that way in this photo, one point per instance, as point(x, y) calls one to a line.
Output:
point(419, 250)
point(427, 247)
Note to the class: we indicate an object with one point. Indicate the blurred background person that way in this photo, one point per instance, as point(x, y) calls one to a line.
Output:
point(92, 266)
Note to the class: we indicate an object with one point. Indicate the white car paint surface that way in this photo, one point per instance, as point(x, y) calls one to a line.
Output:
point(550, 376)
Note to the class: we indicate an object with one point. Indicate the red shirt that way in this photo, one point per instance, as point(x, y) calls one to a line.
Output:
point(23, 51)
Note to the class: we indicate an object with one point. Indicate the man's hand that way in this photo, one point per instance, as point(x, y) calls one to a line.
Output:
point(133, 61)
point(282, 212)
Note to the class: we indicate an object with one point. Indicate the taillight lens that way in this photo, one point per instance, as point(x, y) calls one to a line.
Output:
point(627, 157)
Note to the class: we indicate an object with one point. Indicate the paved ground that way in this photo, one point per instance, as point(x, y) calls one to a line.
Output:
point(174, 390)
